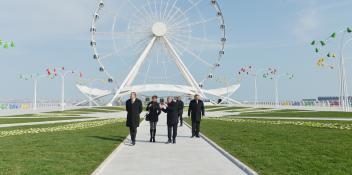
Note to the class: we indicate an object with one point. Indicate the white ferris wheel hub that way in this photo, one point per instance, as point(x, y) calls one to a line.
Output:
point(159, 29)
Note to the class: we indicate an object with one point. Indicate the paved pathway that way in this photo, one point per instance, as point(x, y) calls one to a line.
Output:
point(190, 156)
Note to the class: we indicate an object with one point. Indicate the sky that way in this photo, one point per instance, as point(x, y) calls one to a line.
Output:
point(263, 34)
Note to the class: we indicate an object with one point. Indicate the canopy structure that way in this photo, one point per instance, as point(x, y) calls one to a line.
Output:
point(94, 94)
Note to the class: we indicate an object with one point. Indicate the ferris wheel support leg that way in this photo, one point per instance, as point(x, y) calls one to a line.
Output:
point(134, 71)
point(183, 69)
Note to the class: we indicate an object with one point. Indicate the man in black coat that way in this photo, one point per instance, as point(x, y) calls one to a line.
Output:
point(196, 111)
point(180, 107)
point(134, 109)
point(172, 119)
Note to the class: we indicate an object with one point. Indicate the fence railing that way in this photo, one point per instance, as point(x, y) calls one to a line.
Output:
point(29, 106)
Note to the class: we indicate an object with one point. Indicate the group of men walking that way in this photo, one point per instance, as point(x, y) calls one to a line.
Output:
point(174, 111)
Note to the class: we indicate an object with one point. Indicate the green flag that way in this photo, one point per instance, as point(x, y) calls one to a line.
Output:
point(12, 44)
point(349, 30)
point(6, 45)
point(322, 43)
point(312, 43)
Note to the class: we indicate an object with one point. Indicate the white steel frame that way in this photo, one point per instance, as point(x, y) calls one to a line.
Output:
point(159, 34)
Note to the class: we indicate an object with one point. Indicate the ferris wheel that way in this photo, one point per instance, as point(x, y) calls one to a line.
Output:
point(158, 45)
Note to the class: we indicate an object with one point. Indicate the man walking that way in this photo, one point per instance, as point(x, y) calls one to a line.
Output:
point(134, 109)
point(172, 119)
point(196, 111)
point(180, 106)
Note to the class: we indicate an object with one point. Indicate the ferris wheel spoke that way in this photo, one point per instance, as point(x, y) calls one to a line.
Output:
point(148, 69)
point(135, 45)
point(173, 32)
point(201, 40)
point(177, 23)
point(178, 19)
point(108, 55)
point(174, 15)
point(149, 15)
point(150, 8)
point(194, 4)
point(179, 26)
point(160, 8)
point(173, 11)
point(137, 10)
point(121, 34)
point(193, 54)
point(165, 9)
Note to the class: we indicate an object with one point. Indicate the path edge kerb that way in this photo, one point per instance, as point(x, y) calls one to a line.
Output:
point(98, 170)
point(234, 160)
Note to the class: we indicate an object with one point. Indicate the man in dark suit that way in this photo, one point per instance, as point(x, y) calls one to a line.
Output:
point(171, 109)
point(134, 109)
point(196, 111)
point(180, 106)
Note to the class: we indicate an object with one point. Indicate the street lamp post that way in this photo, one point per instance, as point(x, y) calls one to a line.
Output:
point(249, 71)
point(327, 55)
point(35, 79)
point(63, 74)
point(273, 74)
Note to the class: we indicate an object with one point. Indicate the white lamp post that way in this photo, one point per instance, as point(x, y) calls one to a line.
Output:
point(35, 79)
point(249, 71)
point(273, 74)
point(63, 74)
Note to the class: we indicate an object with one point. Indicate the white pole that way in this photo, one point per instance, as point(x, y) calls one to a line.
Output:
point(35, 95)
point(255, 91)
point(62, 92)
point(228, 95)
point(90, 96)
point(276, 91)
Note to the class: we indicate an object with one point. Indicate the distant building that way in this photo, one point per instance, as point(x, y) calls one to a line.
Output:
point(333, 100)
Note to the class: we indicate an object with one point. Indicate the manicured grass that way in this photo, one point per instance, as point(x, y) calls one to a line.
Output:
point(212, 107)
point(69, 152)
point(227, 108)
point(84, 111)
point(293, 113)
point(284, 149)
point(27, 120)
point(116, 108)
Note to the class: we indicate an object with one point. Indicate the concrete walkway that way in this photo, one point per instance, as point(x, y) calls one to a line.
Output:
point(190, 156)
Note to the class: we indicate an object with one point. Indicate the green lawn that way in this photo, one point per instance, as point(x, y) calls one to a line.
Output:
point(86, 111)
point(68, 152)
point(294, 113)
point(226, 108)
point(27, 120)
point(284, 149)
point(116, 108)
point(214, 106)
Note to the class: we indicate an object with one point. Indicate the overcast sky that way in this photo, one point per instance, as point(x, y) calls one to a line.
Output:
point(263, 34)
